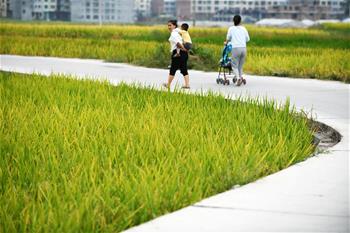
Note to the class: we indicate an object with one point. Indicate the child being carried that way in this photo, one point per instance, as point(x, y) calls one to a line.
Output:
point(185, 37)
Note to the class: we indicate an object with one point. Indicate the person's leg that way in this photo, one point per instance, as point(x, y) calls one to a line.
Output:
point(170, 79)
point(187, 81)
point(243, 54)
point(173, 68)
point(177, 54)
point(184, 69)
point(188, 46)
point(241, 59)
point(235, 61)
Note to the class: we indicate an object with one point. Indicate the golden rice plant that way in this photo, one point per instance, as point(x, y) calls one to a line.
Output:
point(321, 53)
point(85, 156)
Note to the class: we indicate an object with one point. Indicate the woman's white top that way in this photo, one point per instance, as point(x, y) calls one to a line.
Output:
point(238, 36)
point(174, 39)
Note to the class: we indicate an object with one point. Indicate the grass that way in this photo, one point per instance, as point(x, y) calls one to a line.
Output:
point(86, 156)
point(321, 53)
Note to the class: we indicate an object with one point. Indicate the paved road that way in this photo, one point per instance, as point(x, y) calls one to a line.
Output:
point(309, 196)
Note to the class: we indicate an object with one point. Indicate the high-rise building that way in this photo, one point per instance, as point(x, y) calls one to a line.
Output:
point(306, 9)
point(143, 8)
point(51, 10)
point(157, 7)
point(154, 8)
point(3, 8)
point(63, 9)
point(15, 9)
point(103, 11)
point(201, 9)
point(20, 9)
point(170, 7)
point(184, 10)
point(38, 9)
point(295, 9)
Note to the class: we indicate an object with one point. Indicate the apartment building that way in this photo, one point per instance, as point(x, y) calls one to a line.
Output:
point(38, 9)
point(19, 9)
point(51, 10)
point(3, 8)
point(154, 8)
point(306, 9)
point(170, 7)
point(206, 9)
point(157, 7)
point(184, 9)
point(102, 11)
point(143, 8)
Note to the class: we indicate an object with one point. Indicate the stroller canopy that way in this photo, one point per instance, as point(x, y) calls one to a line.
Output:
point(225, 58)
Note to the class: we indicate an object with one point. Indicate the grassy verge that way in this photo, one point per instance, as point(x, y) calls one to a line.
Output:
point(321, 53)
point(91, 157)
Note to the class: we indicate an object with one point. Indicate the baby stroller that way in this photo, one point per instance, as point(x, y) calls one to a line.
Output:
point(225, 67)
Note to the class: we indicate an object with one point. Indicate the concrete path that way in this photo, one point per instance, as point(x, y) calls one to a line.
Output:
point(309, 196)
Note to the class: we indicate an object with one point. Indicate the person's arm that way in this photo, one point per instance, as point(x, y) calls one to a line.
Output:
point(178, 40)
point(247, 36)
point(179, 45)
point(228, 37)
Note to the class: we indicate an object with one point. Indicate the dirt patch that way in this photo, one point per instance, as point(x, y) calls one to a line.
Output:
point(324, 135)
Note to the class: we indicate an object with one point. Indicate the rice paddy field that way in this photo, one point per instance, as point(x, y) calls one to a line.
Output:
point(319, 53)
point(86, 156)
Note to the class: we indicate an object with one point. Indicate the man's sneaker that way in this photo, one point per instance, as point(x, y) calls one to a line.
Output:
point(239, 82)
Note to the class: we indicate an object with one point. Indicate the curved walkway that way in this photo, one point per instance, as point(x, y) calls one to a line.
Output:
point(310, 196)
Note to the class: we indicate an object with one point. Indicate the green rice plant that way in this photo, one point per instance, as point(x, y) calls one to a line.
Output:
point(321, 53)
point(86, 156)
point(325, 37)
point(300, 62)
point(336, 28)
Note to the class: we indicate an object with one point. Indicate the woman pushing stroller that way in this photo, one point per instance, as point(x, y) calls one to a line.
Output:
point(238, 36)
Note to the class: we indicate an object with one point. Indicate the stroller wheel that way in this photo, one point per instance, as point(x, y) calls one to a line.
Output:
point(244, 82)
point(234, 80)
point(217, 81)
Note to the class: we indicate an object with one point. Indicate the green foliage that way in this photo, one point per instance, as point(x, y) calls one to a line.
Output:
point(86, 156)
point(321, 53)
point(336, 28)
